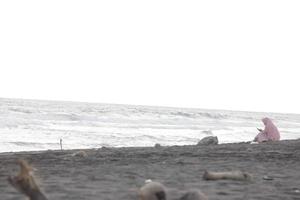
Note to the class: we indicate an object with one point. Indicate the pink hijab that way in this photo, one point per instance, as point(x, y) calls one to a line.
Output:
point(270, 133)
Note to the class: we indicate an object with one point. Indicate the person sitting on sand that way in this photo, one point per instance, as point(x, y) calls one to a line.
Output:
point(270, 133)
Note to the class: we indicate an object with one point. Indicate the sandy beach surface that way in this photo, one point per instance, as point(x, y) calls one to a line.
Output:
point(116, 173)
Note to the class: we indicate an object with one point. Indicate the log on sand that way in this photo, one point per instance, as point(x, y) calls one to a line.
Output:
point(231, 175)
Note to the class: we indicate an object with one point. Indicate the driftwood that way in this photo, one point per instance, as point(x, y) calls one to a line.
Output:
point(232, 175)
point(25, 183)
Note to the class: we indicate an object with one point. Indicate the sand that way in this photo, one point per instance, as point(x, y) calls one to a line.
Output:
point(115, 173)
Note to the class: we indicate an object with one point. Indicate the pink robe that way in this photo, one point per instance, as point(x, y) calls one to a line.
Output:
point(270, 133)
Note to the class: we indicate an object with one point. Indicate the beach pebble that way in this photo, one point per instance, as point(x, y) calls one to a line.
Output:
point(153, 191)
point(81, 154)
point(268, 178)
point(209, 140)
point(148, 181)
point(194, 194)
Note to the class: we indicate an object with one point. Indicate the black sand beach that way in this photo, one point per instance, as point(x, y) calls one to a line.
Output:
point(115, 173)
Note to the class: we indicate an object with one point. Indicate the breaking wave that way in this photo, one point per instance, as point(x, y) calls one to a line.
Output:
point(27, 125)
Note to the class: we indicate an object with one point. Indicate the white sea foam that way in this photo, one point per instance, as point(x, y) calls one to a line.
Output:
point(38, 125)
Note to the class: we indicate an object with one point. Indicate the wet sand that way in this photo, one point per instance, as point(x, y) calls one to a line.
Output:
point(115, 173)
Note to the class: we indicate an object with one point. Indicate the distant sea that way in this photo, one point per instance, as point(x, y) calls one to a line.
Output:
point(27, 125)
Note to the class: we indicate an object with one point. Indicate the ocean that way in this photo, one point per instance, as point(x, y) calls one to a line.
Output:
point(27, 125)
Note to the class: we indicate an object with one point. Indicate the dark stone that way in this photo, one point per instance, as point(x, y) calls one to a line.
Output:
point(209, 140)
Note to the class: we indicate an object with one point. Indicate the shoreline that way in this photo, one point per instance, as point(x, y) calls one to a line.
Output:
point(113, 173)
point(136, 147)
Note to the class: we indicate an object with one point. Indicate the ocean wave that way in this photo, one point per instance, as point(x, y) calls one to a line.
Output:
point(31, 144)
point(200, 114)
point(22, 110)
point(39, 125)
point(213, 115)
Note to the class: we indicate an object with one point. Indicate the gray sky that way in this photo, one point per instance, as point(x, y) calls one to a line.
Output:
point(240, 55)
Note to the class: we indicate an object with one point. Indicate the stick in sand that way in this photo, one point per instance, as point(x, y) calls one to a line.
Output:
point(60, 141)
point(25, 183)
point(232, 175)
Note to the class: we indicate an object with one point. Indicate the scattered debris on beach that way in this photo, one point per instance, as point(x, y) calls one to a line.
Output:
point(25, 183)
point(110, 173)
point(231, 175)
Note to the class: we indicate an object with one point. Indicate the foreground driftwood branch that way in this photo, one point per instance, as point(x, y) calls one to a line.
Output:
point(232, 175)
point(25, 183)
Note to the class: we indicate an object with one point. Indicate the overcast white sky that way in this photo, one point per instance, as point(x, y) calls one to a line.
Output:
point(239, 55)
